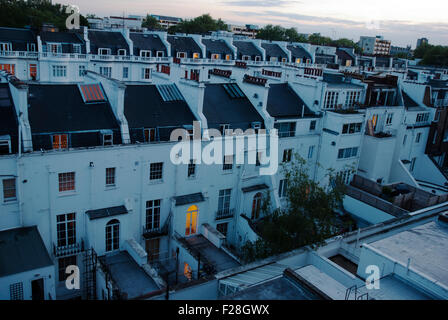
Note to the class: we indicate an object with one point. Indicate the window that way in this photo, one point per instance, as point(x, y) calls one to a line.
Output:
point(389, 119)
point(286, 129)
point(224, 201)
point(110, 177)
point(60, 141)
point(347, 153)
point(228, 163)
point(125, 72)
point(412, 167)
point(191, 221)
point(54, 48)
point(76, 48)
point(313, 125)
point(59, 71)
point(5, 145)
point(106, 71)
point(246, 58)
point(195, 55)
point(16, 291)
point(121, 52)
point(63, 263)
point(216, 56)
point(405, 138)
point(352, 98)
point(287, 155)
point(223, 228)
point(5, 46)
point(331, 99)
point(153, 214)
point(10, 68)
point(92, 93)
point(188, 273)
point(33, 71)
point(31, 47)
point(108, 139)
point(345, 176)
point(181, 55)
point(81, 70)
point(256, 206)
point(192, 169)
point(419, 136)
point(228, 57)
point(103, 51)
point(156, 171)
point(223, 128)
point(66, 181)
point(153, 249)
point(160, 54)
point(282, 188)
point(146, 73)
point(422, 117)
point(9, 190)
point(310, 152)
point(112, 235)
point(66, 229)
point(351, 128)
point(169, 92)
point(150, 134)
point(233, 90)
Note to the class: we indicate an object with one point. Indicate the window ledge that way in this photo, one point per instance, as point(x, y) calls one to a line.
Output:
point(110, 188)
point(227, 172)
point(10, 202)
point(154, 182)
point(67, 194)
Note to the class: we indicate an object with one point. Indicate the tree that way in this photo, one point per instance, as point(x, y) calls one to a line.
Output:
point(151, 23)
point(199, 25)
point(432, 55)
point(307, 218)
point(271, 33)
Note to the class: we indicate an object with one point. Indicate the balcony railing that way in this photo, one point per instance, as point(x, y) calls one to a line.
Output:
point(225, 213)
point(439, 103)
point(70, 250)
point(19, 54)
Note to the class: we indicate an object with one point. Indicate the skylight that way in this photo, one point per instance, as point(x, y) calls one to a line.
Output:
point(233, 91)
point(92, 93)
point(169, 92)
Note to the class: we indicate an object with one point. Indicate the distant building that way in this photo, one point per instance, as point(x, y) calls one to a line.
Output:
point(166, 21)
point(422, 41)
point(396, 50)
point(249, 30)
point(114, 22)
point(375, 45)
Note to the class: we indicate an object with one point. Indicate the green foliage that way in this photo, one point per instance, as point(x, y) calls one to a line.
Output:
point(151, 23)
point(34, 13)
point(307, 218)
point(199, 25)
point(432, 55)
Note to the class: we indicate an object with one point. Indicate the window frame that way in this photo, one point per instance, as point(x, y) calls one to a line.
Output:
point(66, 184)
point(12, 189)
point(156, 172)
point(111, 177)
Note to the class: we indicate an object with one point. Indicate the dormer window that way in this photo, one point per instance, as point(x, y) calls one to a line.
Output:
point(195, 55)
point(121, 52)
point(60, 141)
point(284, 60)
point(54, 48)
point(257, 58)
point(145, 53)
point(31, 47)
point(150, 135)
point(108, 138)
point(246, 58)
point(228, 57)
point(160, 54)
point(5, 46)
point(104, 51)
point(76, 48)
point(5, 144)
point(273, 59)
point(298, 60)
point(181, 55)
point(216, 56)
point(223, 128)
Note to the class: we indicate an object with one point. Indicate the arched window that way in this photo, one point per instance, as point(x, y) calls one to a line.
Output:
point(256, 206)
point(112, 235)
point(192, 221)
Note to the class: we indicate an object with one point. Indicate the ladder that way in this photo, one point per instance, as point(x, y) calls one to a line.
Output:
point(90, 264)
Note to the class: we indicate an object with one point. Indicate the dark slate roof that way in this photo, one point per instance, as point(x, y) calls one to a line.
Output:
point(257, 187)
point(298, 52)
point(107, 39)
point(15, 34)
point(145, 108)
point(22, 250)
point(274, 50)
point(63, 37)
point(189, 198)
point(144, 41)
point(184, 44)
point(8, 116)
point(342, 54)
point(247, 48)
point(216, 47)
point(220, 108)
point(408, 101)
point(283, 102)
point(60, 108)
point(106, 212)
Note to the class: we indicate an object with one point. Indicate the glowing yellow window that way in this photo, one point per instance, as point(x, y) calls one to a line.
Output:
point(374, 120)
point(228, 57)
point(187, 271)
point(192, 221)
point(60, 141)
point(195, 55)
point(298, 60)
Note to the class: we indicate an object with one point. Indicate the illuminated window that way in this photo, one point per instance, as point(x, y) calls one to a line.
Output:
point(112, 235)
point(66, 181)
point(60, 141)
point(195, 55)
point(10, 68)
point(33, 71)
point(228, 57)
point(150, 135)
point(256, 206)
point(216, 56)
point(92, 93)
point(188, 273)
point(191, 221)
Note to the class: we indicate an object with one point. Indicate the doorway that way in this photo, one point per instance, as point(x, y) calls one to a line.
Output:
point(37, 289)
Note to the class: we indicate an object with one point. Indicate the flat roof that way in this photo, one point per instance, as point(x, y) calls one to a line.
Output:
point(427, 242)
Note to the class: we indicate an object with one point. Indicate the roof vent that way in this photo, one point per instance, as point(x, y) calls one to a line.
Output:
point(443, 219)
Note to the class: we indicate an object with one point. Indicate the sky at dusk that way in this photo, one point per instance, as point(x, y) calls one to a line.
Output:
point(400, 21)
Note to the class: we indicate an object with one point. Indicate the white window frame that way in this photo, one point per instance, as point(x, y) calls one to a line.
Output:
point(5, 46)
point(282, 188)
point(108, 139)
point(106, 71)
point(77, 48)
point(160, 54)
point(111, 180)
point(126, 75)
point(146, 73)
point(102, 50)
point(81, 70)
point(215, 56)
point(31, 47)
point(57, 46)
point(9, 199)
point(59, 71)
point(245, 58)
point(6, 141)
point(183, 54)
point(121, 52)
point(145, 53)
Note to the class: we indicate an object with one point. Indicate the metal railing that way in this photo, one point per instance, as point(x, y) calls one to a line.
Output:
point(70, 250)
point(225, 213)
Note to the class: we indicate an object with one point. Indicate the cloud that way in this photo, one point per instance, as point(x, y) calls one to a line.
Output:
point(260, 3)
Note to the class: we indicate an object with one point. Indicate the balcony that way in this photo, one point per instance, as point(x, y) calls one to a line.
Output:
point(62, 56)
point(225, 213)
point(19, 54)
point(70, 250)
point(441, 103)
